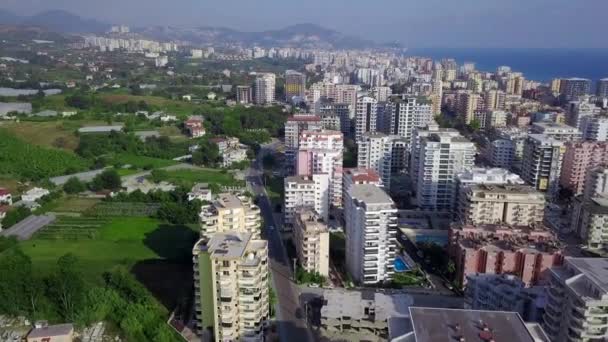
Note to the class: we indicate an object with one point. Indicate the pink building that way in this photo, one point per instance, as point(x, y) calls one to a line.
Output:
point(320, 152)
point(194, 126)
point(578, 159)
point(527, 252)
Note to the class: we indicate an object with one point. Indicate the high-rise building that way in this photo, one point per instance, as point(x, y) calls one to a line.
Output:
point(231, 287)
point(557, 131)
point(244, 95)
point(542, 162)
point(579, 109)
point(495, 100)
point(577, 301)
point(470, 104)
point(571, 88)
point(265, 89)
point(441, 157)
point(371, 234)
point(230, 212)
point(601, 89)
point(496, 119)
point(556, 85)
point(311, 238)
point(579, 158)
point(293, 127)
point(321, 153)
point(359, 176)
point(306, 192)
point(341, 110)
point(382, 94)
point(295, 84)
point(366, 116)
point(591, 222)
point(518, 205)
point(501, 153)
point(595, 128)
point(377, 152)
point(504, 292)
point(517, 137)
point(406, 114)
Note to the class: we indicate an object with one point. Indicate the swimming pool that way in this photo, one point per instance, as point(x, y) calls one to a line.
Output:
point(400, 265)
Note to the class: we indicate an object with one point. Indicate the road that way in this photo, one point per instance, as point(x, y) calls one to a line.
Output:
point(290, 318)
point(29, 226)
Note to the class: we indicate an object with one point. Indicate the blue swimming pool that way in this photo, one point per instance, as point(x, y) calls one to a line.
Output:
point(400, 265)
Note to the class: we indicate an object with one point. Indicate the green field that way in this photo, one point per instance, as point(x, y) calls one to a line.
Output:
point(188, 178)
point(48, 134)
point(140, 162)
point(21, 159)
point(126, 241)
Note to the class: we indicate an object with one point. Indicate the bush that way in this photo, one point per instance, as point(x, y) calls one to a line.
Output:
point(14, 216)
point(74, 186)
point(108, 179)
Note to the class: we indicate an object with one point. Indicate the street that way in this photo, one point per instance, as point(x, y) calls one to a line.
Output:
point(289, 317)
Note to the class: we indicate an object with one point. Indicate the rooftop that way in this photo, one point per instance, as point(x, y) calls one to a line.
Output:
point(507, 189)
point(370, 194)
point(594, 269)
point(431, 324)
point(362, 175)
point(347, 303)
point(299, 180)
point(51, 330)
point(228, 245)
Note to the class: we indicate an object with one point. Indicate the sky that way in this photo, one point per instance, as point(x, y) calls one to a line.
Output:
point(414, 23)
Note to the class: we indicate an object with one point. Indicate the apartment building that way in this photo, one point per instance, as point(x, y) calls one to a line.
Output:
point(311, 237)
point(579, 158)
point(557, 131)
point(483, 175)
point(405, 113)
point(342, 110)
point(306, 192)
point(383, 153)
point(580, 109)
point(511, 143)
point(244, 95)
point(525, 251)
point(504, 292)
point(265, 89)
point(441, 158)
point(295, 84)
point(371, 228)
point(591, 223)
point(571, 88)
point(231, 287)
point(542, 162)
point(577, 304)
point(230, 212)
point(321, 153)
point(518, 205)
point(366, 116)
point(293, 127)
point(359, 176)
point(595, 128)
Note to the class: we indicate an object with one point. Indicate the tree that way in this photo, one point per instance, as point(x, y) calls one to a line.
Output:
point(73, 186)
point(15, 215)
point(15, 273)
point(268, 161)
point(158, 175)
point(475, 125)
point(108, 179)
point(66, 287)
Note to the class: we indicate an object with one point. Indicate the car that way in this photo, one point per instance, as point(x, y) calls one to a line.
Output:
point(271, 227)
point(313, 285)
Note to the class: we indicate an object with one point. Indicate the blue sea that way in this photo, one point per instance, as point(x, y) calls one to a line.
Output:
point(536, 64)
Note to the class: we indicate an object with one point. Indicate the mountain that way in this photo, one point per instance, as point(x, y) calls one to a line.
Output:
point(55, 20)
point(300, 35)
point(62, 21)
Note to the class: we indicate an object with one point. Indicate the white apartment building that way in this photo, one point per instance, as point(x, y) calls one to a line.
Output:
point(383, 153)
point(230, 212)
point(265, 89)
point(366, 116)
point(496, 119)
point(382, 93)
point(557, 131)
point(231, 287)
point(371, 228)
point(582, 108)
point(591, 223)
point(311, 238)
point(441, 158)
point(595, 128)
point(504, 292)
point(577, 304)
point(321, 153)
point(483, 175)
point(406, 114)
point(517, 136)
point(517, 205)
point(306, 192)
point(359, 176)
point(542, 162)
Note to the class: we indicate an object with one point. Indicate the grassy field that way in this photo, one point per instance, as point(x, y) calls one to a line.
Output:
point(182, 108)
point(188, 178)
point(48, 134)
point(126, 241)
point(140, 161)
point(73, 204)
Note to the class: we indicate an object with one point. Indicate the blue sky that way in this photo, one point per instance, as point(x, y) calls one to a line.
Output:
point(415, 23)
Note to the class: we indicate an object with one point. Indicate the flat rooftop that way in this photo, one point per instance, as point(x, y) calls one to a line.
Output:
point(595, 269)
point(346, 303)
point(433, 325)
point(51, 331)
point(229, 201)
point(230, 245)
point(299, 179)
point(370, 194)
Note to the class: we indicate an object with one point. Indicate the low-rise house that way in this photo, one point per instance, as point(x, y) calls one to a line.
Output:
point(201, 192)
point(34, 194)
point(5, 197)
point(194, 126)
point(231, 150)
point(51, 333)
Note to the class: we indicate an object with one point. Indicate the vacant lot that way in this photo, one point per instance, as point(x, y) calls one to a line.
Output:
point(48, 134)
point(188, 178)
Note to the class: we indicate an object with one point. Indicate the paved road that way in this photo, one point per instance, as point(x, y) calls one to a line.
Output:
point(291, 324)
point(28, 227)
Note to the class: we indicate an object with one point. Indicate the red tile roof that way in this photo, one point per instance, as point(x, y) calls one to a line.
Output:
point(4, 191)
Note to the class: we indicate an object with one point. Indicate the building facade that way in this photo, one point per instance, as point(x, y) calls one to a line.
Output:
point(230, 212)
point(265, 89)
point(311, 238)
point(579, 158)
point(542, 162)
point(306, 192)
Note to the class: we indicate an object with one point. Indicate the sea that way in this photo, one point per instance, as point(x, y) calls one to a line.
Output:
point(536, 64)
